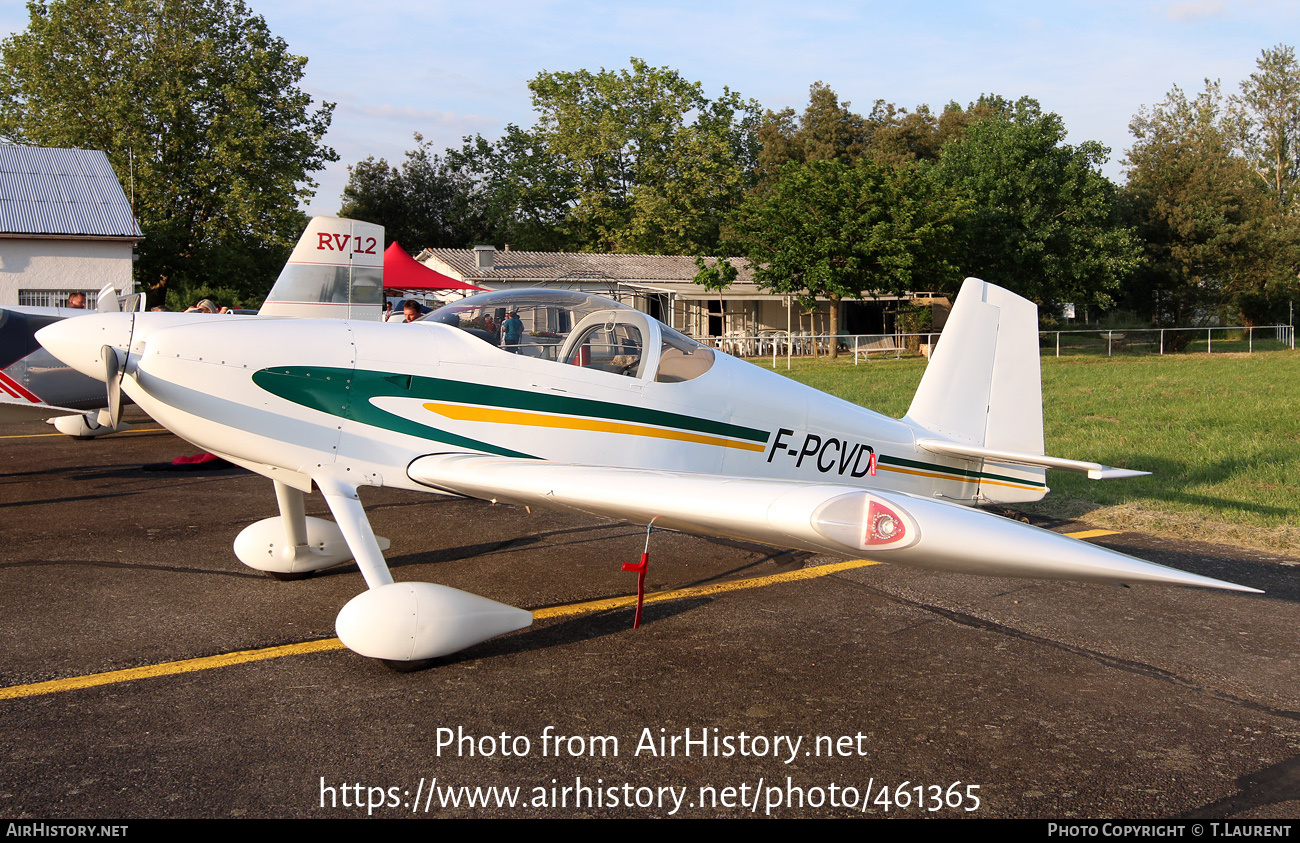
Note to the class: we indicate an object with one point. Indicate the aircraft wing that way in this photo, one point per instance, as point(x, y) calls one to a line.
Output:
point(819, 517)
point(16, 410)
point(775, 512)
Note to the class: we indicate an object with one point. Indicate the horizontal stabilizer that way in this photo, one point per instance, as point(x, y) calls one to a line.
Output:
point(1094, 470)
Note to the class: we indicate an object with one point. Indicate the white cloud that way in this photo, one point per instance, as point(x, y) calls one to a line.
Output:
point(1190, 10)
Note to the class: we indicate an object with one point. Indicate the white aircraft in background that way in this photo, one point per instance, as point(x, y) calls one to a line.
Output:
point(592, 406)
point(35, 385)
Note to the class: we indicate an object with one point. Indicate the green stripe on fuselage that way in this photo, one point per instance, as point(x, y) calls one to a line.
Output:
point(348, 394)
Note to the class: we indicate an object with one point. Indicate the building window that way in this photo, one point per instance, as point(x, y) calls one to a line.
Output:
point(54, 298)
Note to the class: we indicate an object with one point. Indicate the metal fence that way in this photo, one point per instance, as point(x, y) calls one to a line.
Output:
point(1241, 338)
point(1237, 338)
point(776, 344)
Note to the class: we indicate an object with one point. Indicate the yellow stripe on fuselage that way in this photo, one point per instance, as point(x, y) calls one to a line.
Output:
point(495, 415)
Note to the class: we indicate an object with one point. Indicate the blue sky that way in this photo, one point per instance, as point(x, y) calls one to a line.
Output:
point(450, 69)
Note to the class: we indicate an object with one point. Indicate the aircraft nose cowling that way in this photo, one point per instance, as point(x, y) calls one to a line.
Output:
point(79, 342)
point(420, 620)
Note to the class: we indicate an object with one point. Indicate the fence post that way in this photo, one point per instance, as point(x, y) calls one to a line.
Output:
point(1209, 340)
point(1058, 343)
point(1108, 336)
point(1250, 339)
point(1162, 342)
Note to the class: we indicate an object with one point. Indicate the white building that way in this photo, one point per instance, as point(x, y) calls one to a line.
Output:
point(65, 226)
point(664, 287)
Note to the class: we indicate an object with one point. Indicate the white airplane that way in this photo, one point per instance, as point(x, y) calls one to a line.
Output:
point(35, 385)
point(571, 401)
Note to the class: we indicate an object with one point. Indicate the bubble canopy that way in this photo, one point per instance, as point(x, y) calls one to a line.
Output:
point(579, 329)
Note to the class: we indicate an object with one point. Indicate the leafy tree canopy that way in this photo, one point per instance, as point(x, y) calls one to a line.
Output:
point(1042, 220)
point(425, 204)
point(653, 161)
point(521, 191)
point(890, 134)
point(830, 230)
point(1215, 235)
point(1266, 120)
point(197, 106)
point(827, 131)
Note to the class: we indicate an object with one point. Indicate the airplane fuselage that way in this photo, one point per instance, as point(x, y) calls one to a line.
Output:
point(362, 400)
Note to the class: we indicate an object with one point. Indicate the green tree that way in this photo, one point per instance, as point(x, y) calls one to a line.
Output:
point(521, 191)
point(427, 203)
point(197, 105)
point(1042, 220)
point(1214, 233)
point(890, 134)
point(826, 230)
point(1266, 120)
point(827, 131)
point(899, 136)
point(654, 162)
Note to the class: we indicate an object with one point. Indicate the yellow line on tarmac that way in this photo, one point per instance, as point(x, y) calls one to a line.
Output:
point(325, 644)
point(1092, 534)
point(166, 669)
point(119, 433)
point(243, 656)
point(700, 590)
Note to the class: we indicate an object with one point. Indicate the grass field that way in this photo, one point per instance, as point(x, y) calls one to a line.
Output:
point(1221, 434)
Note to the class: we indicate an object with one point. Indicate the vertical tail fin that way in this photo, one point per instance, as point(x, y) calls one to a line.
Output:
point(983, 386)
point(335, 271)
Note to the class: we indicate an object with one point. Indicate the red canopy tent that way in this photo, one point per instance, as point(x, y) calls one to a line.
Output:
point(402, 272)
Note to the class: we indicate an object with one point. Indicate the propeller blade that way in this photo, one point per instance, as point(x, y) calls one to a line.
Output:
point(113, 378)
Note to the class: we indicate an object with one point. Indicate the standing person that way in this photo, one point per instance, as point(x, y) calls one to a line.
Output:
point(513, 329)
point(77, 300)
point(411, 310)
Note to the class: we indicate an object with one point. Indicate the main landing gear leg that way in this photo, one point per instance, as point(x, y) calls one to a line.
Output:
point(293, 545)
point(407, 622)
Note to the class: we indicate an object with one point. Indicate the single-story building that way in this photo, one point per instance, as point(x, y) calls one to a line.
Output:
point(664, 287)
point(66, 226)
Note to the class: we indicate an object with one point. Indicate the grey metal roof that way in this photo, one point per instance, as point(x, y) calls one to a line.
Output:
point(62, 191)
point(550, 266)
point(665, 273)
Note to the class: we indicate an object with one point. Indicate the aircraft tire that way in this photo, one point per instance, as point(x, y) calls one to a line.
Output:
point(407, 667)
point(280, 576)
